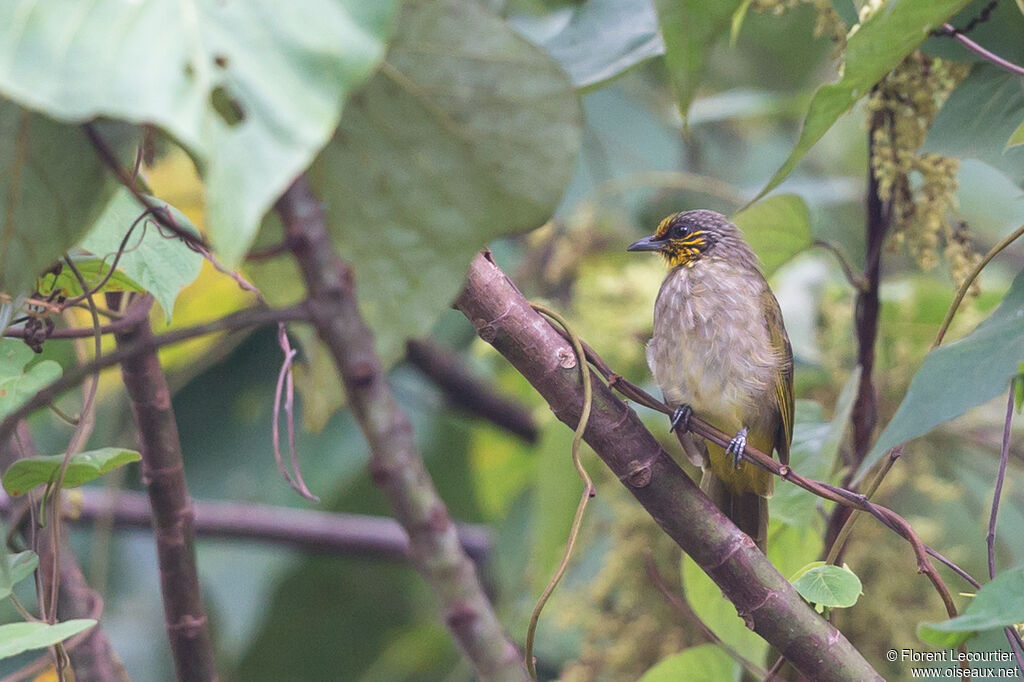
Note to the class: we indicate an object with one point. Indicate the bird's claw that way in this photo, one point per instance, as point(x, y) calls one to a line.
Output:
point(681, 418)
point(736, 447)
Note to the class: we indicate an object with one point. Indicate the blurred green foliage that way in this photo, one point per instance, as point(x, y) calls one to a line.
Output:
point(279, 614)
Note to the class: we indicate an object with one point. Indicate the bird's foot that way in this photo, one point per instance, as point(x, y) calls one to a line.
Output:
point(736, 446)
point(681, 418)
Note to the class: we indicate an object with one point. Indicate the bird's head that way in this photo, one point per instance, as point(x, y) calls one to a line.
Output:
point(685, 238)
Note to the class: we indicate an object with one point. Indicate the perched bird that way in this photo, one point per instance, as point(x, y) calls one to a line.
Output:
point(720, 349)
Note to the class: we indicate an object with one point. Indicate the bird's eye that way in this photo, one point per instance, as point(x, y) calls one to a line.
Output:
point(680, 230)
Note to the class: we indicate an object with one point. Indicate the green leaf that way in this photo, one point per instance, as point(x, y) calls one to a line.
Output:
point(92, 270)
point(873, 49)
point(161, 265)
point(777, 228)
point(978, 118)
point(252, 89)
point(18, 384)
point(16, 568)
point(813, 453)
point(29, 472)
point(997, 604)
point(52, 186)
point(982, 362)
point(16, 638)
point(690, 28)
point(1017, 138)
point(602, 39)
point(439, 155)
point(828, 586)
point(696, 664)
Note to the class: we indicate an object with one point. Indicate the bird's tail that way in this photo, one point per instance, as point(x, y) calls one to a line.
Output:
point(748, 510)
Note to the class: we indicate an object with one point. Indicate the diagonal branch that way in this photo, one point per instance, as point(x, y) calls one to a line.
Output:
point(765, 600)
point(164, 476)
point(395, 463)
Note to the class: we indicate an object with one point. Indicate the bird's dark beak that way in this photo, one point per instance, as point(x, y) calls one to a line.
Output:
point(651, 243)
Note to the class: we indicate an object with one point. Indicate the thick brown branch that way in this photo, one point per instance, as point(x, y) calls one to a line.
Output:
point(766, 600)
point(163, 474)
point(305, 529)
point(463, 390)
point(395, 463)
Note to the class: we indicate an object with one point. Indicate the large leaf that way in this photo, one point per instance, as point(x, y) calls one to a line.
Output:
point(982, 364)
point(18, 637)
point(979, 119)
point(161, 265)
point(51, 189)
point(873, 49)
point(18, 384)
point(253, 89)
point(468, 132)
point(28, 472)
point(997, 604)
point(600, 39)
point(690, 27)
point(696, 664)
point(777, 228)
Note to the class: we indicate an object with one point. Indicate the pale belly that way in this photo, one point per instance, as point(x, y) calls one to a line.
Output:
point(711, 348)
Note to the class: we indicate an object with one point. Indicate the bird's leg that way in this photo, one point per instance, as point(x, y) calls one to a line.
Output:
point(736, 446)
point(681, 418)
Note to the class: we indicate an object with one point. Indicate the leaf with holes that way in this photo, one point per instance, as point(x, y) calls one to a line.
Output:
point(874, 48)
point(16, 638)
point(162, 265)
point(252, 89)
point(18, 383)
point(25, 474)
point(52, 187)
point(467, 133)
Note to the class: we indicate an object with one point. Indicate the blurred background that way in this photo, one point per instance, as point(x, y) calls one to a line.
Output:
point(280, 613)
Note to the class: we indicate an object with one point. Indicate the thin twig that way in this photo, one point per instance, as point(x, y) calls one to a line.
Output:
point(966, 285)
point(1005, 64)
point(251, 317)
point(286, 387)
point(990, 538)
point(585, 495)
point(856, 280)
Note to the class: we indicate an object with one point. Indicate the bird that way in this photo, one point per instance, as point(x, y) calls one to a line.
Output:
point(720, 350)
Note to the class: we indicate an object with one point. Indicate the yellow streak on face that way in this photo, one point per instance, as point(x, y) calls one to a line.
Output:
point(685, 251)
point(663, 226)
